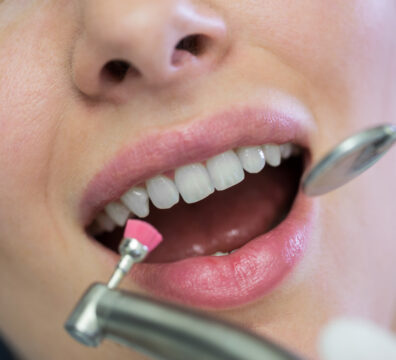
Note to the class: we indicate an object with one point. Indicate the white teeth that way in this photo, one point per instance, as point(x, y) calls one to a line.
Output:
point(272, 154)
point(225, 170)
point(117, 212)
point(193, 182)
point(252, 158)
point(105, 222)
point(137, 200)
point(286, 150)
point(219, 253)
point(162, 191)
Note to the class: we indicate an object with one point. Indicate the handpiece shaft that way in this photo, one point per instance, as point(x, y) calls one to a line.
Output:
point(116, 278)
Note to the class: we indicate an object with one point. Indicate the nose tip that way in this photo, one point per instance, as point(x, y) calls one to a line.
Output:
point(144, 41)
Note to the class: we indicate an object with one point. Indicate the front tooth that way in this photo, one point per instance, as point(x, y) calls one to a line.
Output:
point(286, 150)
point(162, 192)
point(225, 170)
point(137, 200)
point(272, 154)
point(193, 182)
point(252, 158)
point(105, 222)
point(117, 212)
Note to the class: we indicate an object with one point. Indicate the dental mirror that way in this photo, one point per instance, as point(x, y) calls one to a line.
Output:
point(349, 159)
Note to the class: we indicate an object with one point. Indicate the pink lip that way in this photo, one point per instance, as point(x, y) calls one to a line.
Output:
point(239, 278)
point(212, 282)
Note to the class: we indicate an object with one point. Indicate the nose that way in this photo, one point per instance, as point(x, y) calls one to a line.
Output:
point(147, 42)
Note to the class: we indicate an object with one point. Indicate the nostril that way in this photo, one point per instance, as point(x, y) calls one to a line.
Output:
point(116, 70)
point(194, 44)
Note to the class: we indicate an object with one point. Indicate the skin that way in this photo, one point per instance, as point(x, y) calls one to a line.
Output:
point(60, 125)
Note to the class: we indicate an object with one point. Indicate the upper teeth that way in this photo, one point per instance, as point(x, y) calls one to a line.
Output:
point(193, 182)
point(137, 200)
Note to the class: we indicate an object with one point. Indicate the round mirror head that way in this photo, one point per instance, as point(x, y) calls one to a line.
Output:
point(348, 160)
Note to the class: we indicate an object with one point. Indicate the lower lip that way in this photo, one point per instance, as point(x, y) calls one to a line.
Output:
point(221, 282)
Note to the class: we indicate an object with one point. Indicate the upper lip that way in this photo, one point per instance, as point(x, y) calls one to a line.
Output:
point(163, 150)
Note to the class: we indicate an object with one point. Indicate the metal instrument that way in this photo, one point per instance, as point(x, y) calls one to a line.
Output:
point(349, 159)
point(163, 331)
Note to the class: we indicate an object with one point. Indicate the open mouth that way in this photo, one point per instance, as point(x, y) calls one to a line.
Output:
point(225, 195)
point(211, 208)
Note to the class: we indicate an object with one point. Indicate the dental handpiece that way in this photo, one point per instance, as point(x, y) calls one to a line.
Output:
point(161, 330)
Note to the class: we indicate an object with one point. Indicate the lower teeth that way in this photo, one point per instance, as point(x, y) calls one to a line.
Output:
point(219, 253)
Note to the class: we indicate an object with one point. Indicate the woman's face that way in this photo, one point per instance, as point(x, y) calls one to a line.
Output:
point(78, 131)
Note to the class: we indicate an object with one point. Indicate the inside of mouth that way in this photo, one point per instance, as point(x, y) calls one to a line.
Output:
point(224, 221)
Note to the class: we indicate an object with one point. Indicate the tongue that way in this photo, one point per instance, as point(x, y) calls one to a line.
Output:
point(226, 219)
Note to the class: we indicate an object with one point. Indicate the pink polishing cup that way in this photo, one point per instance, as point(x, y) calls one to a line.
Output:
point(145, 233)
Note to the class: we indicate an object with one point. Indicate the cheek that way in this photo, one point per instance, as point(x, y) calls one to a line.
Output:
point(30, 105)
point(345, 51)
point(345, 54)
point(34, 89)
point(340, 48)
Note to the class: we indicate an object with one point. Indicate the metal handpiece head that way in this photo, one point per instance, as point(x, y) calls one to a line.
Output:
point(349, 159)
point(131, 251)
point(133, 248)
point(83, 323)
